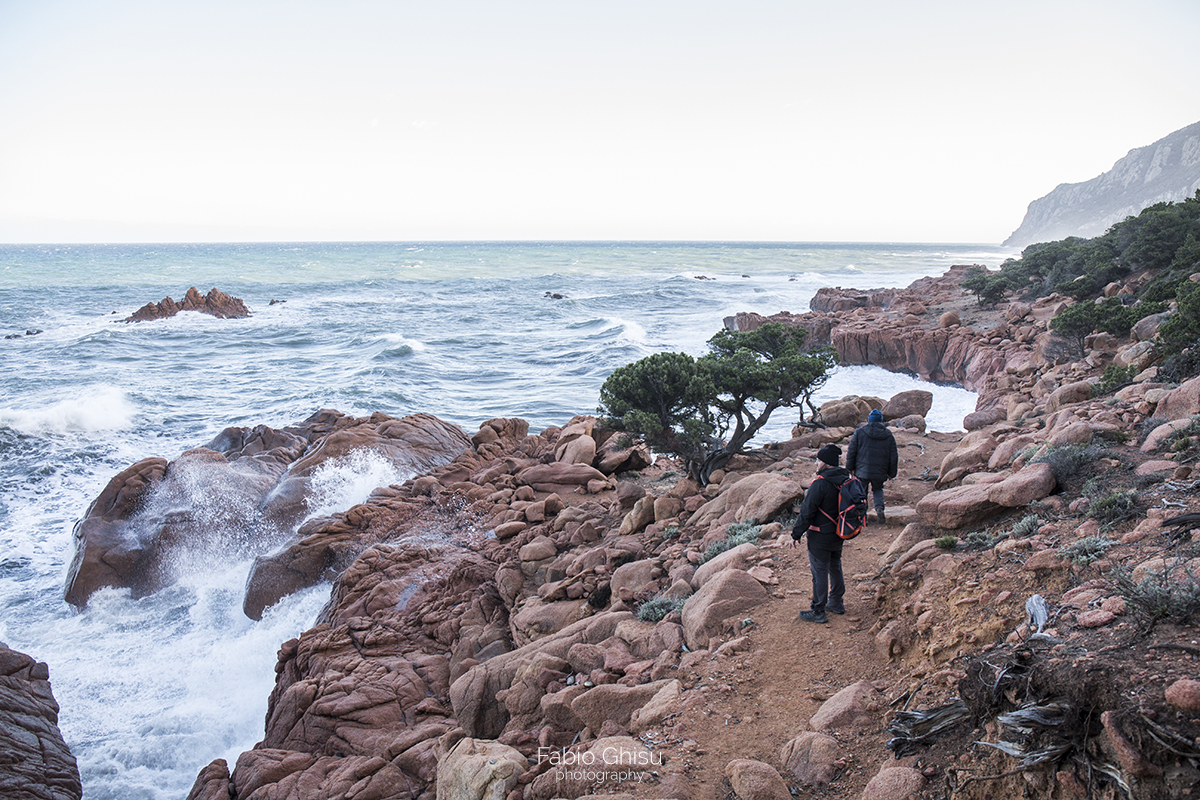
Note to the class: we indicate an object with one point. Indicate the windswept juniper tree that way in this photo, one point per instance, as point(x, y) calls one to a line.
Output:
point(707, 409)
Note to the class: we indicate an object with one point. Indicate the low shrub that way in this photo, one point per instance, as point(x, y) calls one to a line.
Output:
point(735, 534)
point(978, 540)
point(946, 542)
point(1113, 507)
point(1026, 526)
point(1181, 366)
point(1158, 597)
point(1087, 550)
point(658, 607)
point(1069, 461)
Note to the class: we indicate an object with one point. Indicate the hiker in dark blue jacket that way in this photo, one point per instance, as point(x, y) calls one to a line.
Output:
point(818, 515)
point(873, 458)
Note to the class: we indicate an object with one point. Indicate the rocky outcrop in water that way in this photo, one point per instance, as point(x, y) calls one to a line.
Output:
point(1164, 172)
point(35, 763)
point(216, 303)
point(241, 494)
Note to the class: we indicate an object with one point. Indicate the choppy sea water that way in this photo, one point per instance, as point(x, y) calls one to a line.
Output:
point(153, 689)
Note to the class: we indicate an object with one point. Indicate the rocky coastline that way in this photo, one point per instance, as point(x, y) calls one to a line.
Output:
point(493, 627)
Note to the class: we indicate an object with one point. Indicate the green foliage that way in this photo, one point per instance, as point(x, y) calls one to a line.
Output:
point(1182, 330)
point(658, 607)
point(688, 406)
point(1086, 550)
point(1110, 315)
point(946, 542)
point(1077, 322)
point(664, 398)
point(1026, 526)
point(1115, 377)
point(988, 287)
point(737, 533)
point(1163, 237)
point(1113, 507)
point(979, 540)
point(1159, 596)
point(1069, 461)
point(756, 372)
point(1181, 366)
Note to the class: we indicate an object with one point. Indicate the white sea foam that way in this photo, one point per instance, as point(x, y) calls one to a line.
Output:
point(143, 713)
point(95, 408)
point(630, 331)
point(395, 340)
point(340, 483)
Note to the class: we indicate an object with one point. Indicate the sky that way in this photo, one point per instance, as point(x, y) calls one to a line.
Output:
point(870, 121)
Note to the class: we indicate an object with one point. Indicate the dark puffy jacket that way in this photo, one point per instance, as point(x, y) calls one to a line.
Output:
point(872, 455)
point(822, 494)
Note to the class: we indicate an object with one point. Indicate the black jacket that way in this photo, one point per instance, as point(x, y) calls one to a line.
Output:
point(822, 494)
point(872, 455)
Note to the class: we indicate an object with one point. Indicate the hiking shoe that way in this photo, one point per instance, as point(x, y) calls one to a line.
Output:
point(814, 616)
point(880, 516)
point(838, 610)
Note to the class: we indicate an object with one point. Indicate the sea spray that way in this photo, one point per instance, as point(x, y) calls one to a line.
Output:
point(88, 409)
point(339, 483)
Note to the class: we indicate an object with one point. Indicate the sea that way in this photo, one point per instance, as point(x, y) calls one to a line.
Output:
point(153, 689)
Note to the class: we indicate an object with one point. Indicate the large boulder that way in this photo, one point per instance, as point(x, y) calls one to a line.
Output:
point(774, 495)
point(812, 758)
point(755, 780)
point(913, 401)
point(731, 592)
point(858, 706)
point(475, 769)
point(473, 694)
point(37, 765)
point(613, 702)
point(243, 493)
point(1180, 403)
point(971, 503)
point(1066, 395)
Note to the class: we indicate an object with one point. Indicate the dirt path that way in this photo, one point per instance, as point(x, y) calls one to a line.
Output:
point(749, 704)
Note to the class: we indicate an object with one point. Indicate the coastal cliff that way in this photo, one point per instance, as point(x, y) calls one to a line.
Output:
point(530, 606)
point(1166, 171)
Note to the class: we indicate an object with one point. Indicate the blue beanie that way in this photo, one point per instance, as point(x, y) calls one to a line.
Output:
point(875, 416)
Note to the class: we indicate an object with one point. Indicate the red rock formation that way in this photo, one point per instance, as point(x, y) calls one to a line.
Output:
point(216, 303)
point(243, 493)
point(36, 763)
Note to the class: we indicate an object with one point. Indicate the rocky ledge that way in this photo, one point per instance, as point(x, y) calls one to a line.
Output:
point(216, 303)
point(36, 764)
point(536, 609)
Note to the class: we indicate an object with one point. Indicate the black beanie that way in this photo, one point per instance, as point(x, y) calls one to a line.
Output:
point(830, 454)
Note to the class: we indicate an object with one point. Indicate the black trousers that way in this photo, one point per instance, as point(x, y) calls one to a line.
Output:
point(877, 493)
point(829, 587)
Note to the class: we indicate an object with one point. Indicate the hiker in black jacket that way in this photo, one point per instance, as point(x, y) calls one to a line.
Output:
point(873, 458)
point(818, 513)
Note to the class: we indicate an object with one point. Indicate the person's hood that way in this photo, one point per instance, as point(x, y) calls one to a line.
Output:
point(836, 475)
point(877, 430)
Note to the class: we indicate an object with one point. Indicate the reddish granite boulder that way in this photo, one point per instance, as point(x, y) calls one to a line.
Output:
point(36, 764)
point(243, 493)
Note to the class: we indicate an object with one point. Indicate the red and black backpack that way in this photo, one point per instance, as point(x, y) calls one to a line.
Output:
point(852, 508)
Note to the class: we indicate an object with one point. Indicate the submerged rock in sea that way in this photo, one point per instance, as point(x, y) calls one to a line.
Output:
point(36, 765)
point(216, 303)
point(241, 494)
